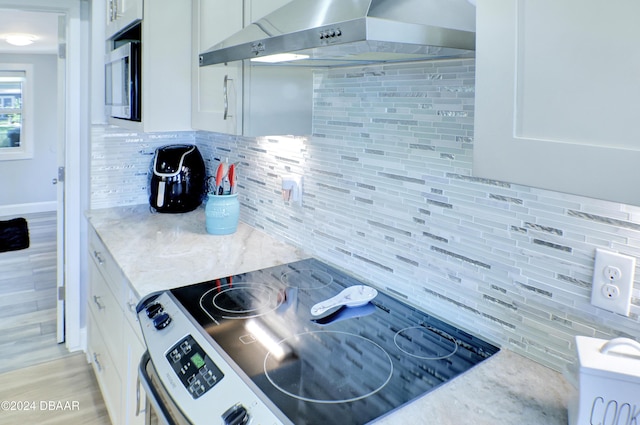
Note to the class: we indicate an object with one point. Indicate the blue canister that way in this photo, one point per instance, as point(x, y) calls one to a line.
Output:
point(222, 213)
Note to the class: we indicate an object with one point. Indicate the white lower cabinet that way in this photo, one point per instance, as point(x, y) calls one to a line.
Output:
point(115, 343)
point(104, 368)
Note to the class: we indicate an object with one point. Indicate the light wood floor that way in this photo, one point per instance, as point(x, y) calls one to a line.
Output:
point(62, 391)
point(36, 372)
point(28, 297)
point(18, 353)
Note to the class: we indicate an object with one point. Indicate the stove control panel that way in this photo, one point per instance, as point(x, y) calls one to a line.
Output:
point(197, 372)
point(197, 377)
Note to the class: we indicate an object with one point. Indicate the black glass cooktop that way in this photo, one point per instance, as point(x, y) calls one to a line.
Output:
point(351, 367)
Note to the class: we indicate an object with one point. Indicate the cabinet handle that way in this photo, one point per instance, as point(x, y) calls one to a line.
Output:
point(97, 362)
point(110, 10)
point(225, 91)
point(98, 257)
point(115, 10)
point(96, 299)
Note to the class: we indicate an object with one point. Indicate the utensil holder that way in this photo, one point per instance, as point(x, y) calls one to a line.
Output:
point(222, 213)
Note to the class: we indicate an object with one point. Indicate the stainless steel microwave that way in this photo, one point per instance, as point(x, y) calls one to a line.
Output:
point(122, 82)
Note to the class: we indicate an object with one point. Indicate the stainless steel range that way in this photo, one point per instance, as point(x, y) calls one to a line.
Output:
point(302, 343)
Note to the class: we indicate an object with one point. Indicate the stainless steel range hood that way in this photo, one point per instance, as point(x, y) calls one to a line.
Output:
point(352, 32)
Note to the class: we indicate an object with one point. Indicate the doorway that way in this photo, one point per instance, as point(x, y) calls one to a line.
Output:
point(62, 176)
point(32, 150)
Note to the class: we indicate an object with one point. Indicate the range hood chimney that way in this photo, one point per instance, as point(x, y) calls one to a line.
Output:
point(329, 33)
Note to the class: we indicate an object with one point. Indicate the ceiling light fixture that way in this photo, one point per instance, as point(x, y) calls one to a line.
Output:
point(20, 39)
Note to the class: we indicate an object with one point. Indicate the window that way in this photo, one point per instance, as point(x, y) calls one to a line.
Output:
point(16, 104)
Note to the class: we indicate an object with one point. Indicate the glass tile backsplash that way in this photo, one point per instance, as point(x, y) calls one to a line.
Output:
point(120, 164)
point(388, 195)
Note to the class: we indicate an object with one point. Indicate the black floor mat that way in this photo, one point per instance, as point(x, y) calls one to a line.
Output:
point(14, 235)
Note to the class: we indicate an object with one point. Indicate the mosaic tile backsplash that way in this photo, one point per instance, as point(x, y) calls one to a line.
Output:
point(120, 164)
point(389, 196)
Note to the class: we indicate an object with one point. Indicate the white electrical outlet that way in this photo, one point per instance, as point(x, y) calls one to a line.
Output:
point(613, 275)
point(292, 189)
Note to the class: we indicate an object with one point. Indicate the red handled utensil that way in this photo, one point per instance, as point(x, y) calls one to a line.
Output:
point(232, 178)
point(220, 172)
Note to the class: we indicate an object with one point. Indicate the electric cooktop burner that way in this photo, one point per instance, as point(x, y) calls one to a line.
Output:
point(240, 301)
point(309, 383)
point(306, 279)
point(426, 344)
point(351, 367)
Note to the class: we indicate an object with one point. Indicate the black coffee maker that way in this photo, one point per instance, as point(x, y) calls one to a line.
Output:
point(177, 182)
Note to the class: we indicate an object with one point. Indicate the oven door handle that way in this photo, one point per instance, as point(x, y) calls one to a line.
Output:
point(152, 394)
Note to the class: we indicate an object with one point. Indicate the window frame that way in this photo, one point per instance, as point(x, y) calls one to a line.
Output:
point(26, 148)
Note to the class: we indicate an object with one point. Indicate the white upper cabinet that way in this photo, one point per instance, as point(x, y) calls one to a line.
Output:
point(557, 84)
point(121, 14)
point(277, 99)
point(216, 91)
point(238, 98)
point(166, 68)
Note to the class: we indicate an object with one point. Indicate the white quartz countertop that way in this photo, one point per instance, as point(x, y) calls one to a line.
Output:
point(162, 251)
point(506, 389)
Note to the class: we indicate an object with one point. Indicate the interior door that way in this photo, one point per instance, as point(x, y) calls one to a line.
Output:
point(59, 180)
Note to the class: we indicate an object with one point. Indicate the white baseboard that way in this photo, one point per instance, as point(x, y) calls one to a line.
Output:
point(33, 208)
point(82, 343)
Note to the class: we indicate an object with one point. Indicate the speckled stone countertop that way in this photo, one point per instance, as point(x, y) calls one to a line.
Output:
point(506, 389)
point(162, 251)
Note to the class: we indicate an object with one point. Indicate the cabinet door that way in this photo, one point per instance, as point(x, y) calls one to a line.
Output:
point(216, 95)
point(556, 90)
point(121, 14)
point(107, 266)
point(104, 368)
point(166, 72)
point(277, 100)
point(106, 310)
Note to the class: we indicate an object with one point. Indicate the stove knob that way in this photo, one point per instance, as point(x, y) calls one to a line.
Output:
point(161, 321)
point(237, 415)
point(153, 310)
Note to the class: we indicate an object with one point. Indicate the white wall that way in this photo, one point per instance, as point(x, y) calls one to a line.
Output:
point(30, 179)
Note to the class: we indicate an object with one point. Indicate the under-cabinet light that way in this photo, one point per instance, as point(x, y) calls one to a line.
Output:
point(281, 57)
